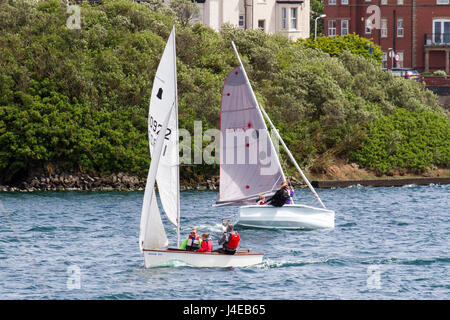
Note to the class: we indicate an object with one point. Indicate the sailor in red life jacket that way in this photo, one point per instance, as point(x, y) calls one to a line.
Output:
point(229, 241)
point(207, 244)
point(192, 242)
point(262, 200)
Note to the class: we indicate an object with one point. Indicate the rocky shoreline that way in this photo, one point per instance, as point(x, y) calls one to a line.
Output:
point(54, 180)
point(86, 182)
point(112, 182)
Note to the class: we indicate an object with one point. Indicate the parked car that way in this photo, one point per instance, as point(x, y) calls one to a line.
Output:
point(407, 73)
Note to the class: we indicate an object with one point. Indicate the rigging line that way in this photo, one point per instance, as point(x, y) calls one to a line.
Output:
point(291, 156)
point(22, 245)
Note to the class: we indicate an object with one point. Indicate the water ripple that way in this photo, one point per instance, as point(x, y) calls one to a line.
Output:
point(396, 235)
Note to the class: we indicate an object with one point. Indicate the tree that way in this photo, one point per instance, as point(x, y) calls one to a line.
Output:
point(185, 10)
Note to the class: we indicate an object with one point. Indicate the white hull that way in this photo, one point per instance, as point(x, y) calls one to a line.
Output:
point(170, 257)
point(290, 216)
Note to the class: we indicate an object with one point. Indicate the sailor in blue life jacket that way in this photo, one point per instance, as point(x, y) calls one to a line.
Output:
point(229, 241)
point(192, 242)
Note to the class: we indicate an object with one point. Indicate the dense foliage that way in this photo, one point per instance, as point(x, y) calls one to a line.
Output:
point(78, 98)
point(406, 140)
point(339, 44)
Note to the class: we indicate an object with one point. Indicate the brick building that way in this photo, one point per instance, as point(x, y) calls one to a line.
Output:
point(418, 31)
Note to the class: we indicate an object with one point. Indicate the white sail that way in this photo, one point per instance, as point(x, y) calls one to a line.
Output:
point(164, 95)
point(152, 234)
point(249, 164)
point(163, 141)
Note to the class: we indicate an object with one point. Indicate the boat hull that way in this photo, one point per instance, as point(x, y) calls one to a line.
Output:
point(290, 216)
point(170, 257)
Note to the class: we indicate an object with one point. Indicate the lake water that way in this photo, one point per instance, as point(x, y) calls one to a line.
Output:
point(389, 243)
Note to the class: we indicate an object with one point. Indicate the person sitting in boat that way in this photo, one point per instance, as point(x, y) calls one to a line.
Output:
point(207, 244)
point(282, 196)
point(262, 200)
point(192, 242)
point(229, 241)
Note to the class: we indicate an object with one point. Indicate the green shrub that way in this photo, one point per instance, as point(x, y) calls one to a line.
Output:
point(414, 140)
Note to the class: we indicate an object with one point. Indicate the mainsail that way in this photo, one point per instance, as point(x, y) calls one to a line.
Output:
point(241, 113)
point(164, 95)
point(249, 163)
point(163, 141)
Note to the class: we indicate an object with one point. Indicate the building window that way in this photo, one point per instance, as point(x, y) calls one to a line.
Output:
point(441, 31)
point(368, 28)
point(261, 24)
point(400, 2)
point(344, 27)
point(293, 18)
point(283, 18)
point(384, 61)
point(332, 28)
point(384, 28)
point(384, 2)
point(241, 20)
point(332, 2)
point(400, 29)
point(344, 2)
point(442, 2)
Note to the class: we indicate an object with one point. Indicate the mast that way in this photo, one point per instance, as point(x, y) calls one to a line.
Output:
point(177, 137)
point(262, 111)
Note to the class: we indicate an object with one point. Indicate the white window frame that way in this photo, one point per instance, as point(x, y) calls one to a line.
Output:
point(367, 30)
point(344, 2)
point(241, 20)
point(384, 2)
point(443, 38)
point(400, 28)
point(342, 27)
point(442, 2)
point(283, 18)
point(264, 25)
point(331, 2)
point(384, 28)
point(400, 2)
point(332, 30)
point(384, 62)
point(293, 18)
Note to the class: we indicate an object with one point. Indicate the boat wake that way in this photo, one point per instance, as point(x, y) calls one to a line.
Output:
point(272, 264)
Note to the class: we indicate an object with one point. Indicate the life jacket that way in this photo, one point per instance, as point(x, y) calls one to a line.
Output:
point(207, 246)
point(261, 202)
point(280, 197)
point(234, 241)
point(193, 244)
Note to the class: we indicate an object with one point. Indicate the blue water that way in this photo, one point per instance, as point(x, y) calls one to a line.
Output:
point(389, 243)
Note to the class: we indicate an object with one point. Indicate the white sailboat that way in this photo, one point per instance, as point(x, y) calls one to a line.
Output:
point(164, 169)
point(249, 164)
